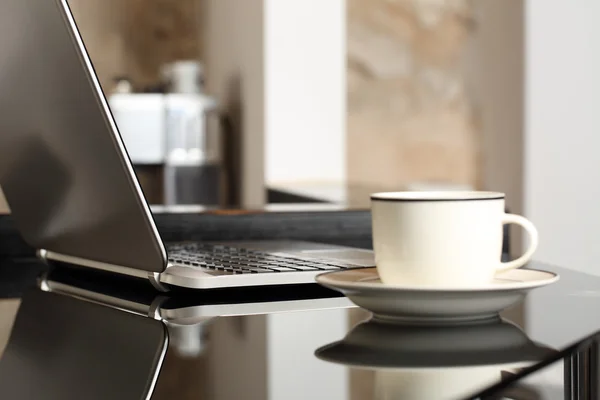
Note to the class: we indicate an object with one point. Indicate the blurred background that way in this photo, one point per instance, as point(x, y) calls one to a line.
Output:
point(250, 103)
point(244, 103)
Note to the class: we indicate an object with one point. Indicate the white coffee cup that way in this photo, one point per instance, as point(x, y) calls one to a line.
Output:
point(443, 239)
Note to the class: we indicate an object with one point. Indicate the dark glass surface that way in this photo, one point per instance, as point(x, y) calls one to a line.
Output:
point(571, 373)
point(295, 343)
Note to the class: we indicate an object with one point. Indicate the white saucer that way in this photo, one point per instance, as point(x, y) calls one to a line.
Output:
point(434, 305)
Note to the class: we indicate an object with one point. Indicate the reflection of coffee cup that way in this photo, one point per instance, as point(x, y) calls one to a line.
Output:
point(435, 383)
point(442, 239)
point(434, 362)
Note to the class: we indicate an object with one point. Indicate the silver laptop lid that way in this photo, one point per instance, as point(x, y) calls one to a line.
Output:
point(63, 167)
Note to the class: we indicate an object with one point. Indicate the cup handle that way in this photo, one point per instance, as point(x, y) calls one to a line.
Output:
point(533, 241)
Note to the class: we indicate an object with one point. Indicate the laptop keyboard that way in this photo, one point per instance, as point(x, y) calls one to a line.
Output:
point(242, 261)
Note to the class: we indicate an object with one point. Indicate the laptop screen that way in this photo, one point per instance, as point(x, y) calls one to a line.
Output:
point(63, 166)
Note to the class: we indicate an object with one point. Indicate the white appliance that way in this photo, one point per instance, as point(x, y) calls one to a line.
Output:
point(141, 119)
point(180, 132)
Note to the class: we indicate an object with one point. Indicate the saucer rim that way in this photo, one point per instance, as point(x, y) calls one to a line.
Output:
point(326, 280)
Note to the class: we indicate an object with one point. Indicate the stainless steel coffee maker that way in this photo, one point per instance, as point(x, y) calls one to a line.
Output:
point(178, 131)
point(193, 171)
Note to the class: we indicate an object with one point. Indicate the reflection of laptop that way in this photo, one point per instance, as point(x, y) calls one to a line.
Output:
point(186, 309)
point(86, 329)
point(70, 183)
point(61, 348)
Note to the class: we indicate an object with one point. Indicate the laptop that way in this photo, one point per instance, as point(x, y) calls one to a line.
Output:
point(70, 184)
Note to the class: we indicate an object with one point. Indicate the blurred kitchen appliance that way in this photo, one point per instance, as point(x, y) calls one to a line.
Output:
point(178, 131)
point(141, 118)
point(193, 172)
point(183, 76)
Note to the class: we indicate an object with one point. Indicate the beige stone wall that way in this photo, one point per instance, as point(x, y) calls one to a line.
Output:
point(99, 22)
point(409, 115)
point(135, 37)
point(157, 32)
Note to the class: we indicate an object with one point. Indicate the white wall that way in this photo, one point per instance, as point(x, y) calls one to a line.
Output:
point(238, 351)
point(296, 336)
point(305, 90)
point(562, 125)
point(289, 58)
point(260, 353)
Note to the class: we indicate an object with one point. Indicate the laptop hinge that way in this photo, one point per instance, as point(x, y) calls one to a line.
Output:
point(153, 277)
point(154, 309)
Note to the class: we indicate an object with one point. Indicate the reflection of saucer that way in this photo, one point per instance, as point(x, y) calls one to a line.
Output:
point(379, 345)
point(435, 362)
point(437, 305)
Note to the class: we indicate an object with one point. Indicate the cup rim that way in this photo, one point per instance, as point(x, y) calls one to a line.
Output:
point(440, 195)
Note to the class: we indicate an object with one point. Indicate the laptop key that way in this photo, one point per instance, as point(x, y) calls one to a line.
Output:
point(299, 267)
point(289, 265)
point(282, 269)
point(248, 269)
point(260, 265)
point(259, 269)
point(330, 267)
point(324, 266)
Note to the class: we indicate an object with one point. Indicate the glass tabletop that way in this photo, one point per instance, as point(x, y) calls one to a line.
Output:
point(92, 336)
